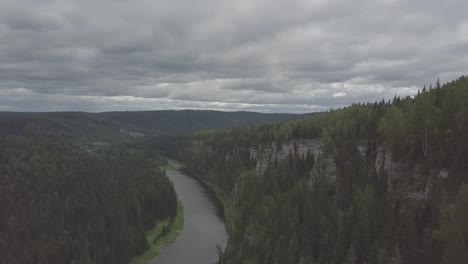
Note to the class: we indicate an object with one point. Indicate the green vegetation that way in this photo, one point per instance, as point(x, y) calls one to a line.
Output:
point(221, 197)
point(71, 126)
point(377, 185)
point(79, 188)
point(116, 126)
point(167, 166)
point(227, 209)
point(454, 229)
point(62, 204)
point(170, 121)
point(164, 233)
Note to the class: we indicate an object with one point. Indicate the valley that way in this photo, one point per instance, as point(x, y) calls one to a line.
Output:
point(378, 183)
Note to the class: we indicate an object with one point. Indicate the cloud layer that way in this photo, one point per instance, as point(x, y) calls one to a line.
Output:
point(270, 56)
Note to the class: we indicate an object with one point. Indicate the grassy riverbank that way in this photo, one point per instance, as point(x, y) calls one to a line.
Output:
point(226, 207)
point(156, 241)
point(167, 166)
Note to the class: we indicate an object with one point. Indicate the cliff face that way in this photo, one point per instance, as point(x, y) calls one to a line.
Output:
point(268, 155)
point(365, 190)
point(409, 180)
point(368, 183)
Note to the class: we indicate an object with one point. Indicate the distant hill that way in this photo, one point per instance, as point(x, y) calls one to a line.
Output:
point(73, 125)
point(190, 120)
point(82, 125)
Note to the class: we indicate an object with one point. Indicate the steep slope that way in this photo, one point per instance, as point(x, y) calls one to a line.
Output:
point(370, 183)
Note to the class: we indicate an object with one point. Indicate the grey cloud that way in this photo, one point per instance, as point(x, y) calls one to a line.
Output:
point(293, 56)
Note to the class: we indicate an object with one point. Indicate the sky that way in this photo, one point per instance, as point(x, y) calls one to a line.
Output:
point(268, 56)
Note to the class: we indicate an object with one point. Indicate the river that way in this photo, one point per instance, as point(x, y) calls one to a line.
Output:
point(204, 227)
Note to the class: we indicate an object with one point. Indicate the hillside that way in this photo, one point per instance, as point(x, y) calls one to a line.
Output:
point(169, 121)
point(118, 125)
point(60, 203)
point(69, 125)
point(379, 183)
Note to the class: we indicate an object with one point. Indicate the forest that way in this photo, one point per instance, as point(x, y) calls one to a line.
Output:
point(81, 188)
point(376, 183)
point(110, 125)
point(63, 203)
point(171, 121)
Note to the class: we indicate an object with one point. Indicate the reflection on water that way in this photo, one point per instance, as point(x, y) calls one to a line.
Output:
point(204, 227)
point(208, 192)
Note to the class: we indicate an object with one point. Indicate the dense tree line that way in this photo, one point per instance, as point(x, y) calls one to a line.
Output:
point(62, 203)
point(177, 121)
point(73, 126)
point(294, 213)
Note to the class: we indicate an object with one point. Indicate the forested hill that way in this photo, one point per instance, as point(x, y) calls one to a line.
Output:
point(60, 203)
point(117, 125)
point(81, 187)
point(376, 183)
point(169, 121)
point(65, 125)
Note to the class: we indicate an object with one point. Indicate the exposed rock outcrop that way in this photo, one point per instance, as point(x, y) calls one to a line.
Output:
point(410, 180)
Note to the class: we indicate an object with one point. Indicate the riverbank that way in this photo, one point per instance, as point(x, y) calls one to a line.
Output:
point(226, 207)
point(167, 166)
point(157, 240)
point(204, 231)
point(221, 198)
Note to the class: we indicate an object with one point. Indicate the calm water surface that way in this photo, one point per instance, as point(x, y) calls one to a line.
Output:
point(204, 227)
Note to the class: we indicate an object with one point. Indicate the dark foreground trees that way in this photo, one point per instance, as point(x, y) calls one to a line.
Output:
point(454, 229)
point(59, 204)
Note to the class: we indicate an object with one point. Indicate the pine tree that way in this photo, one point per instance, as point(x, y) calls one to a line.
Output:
point(454, 229)
point(351, 256)
point(396, 258)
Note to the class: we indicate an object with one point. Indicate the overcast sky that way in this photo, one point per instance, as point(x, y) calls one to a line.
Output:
point(269, 56)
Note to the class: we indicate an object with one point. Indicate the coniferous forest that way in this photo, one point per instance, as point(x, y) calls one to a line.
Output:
point(84, 188)
point(233, 132)
point(376, 183)
point(61, 204)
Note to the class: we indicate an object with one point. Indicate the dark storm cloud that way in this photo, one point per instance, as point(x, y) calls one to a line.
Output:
point(294, 56)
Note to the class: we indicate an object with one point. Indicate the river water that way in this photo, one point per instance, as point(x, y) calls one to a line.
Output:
point(204, 227)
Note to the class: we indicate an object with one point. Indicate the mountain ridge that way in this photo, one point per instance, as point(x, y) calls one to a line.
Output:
point(79, 123)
